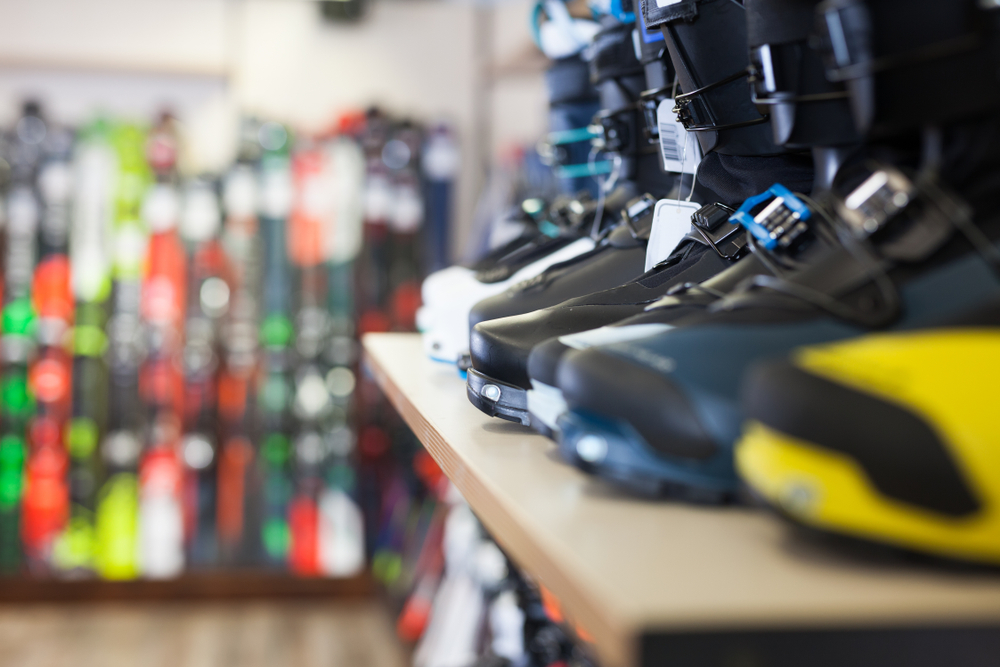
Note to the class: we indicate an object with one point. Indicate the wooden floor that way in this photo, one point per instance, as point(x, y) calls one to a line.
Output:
point(243, 634)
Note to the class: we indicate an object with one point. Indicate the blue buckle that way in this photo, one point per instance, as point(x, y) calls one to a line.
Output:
point(618, 11)
point(780, 223)
point(561, 137)
point(584, 169)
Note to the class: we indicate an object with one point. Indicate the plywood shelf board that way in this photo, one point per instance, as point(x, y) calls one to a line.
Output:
point(624, 566)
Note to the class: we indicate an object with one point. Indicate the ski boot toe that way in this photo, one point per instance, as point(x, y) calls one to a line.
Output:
point(496, 398)
point(881, 438)
point(604, 383)
point(500, 350)
point(543, 361)
point(615, 452)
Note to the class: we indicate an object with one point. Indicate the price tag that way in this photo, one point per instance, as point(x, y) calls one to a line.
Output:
point(671, 222)
point(679, 149)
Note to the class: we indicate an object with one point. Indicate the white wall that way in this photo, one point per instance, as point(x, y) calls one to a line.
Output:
point(518, 99)
point(129, 34)
point(210, 59)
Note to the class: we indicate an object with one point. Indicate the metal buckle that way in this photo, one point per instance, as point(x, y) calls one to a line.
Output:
point(876, 201)
point(843, 29)
point(780, 224)
point(615, 133)
point(766, 81)
point(727, 240)
point(638, 209)
point(682, 107)
point(929, 216)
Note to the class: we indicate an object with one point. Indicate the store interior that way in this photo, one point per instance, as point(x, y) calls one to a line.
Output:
point(499, 333)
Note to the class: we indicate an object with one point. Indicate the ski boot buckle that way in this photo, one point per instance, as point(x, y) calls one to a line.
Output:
point(728, 241)
point(780, 223)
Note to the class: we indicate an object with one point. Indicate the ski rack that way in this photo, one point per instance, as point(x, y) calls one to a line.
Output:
point(247, 584)
point(659, 582)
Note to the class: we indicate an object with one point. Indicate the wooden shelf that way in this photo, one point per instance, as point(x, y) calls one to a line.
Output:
point(699, 585)
point(208, 585)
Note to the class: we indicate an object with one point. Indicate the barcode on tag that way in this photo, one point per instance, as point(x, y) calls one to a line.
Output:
point(668, 142)
point(680, 151)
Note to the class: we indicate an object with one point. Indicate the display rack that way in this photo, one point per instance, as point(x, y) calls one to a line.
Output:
point(659, 583)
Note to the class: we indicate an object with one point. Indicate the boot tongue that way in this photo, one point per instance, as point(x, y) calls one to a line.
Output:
point(636, 223)
point(733, 178)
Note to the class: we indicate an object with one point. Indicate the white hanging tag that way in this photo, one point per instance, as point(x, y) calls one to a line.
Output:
point(671, 222)
point(679, 148)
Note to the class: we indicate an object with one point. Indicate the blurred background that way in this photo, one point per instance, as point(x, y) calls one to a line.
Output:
point(204, 204)
point(472, 65)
